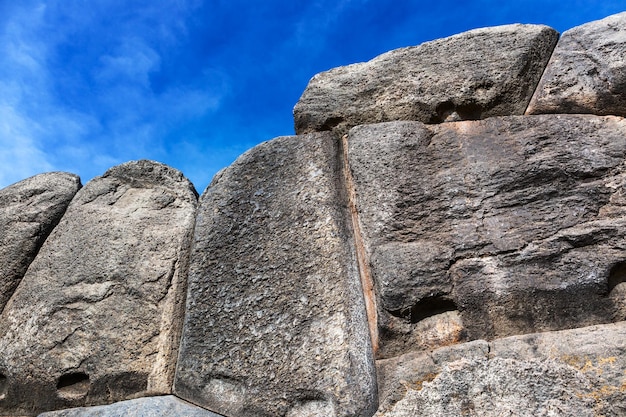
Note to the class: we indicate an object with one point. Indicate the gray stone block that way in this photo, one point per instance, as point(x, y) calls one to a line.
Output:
point(275, 322)
point(516, 222)
point(578, 372)
point(587, 71)
point(98, 315)
point(473, 75)
point(29, 210)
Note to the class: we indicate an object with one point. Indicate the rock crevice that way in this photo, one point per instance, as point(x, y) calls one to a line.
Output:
point(363, 262)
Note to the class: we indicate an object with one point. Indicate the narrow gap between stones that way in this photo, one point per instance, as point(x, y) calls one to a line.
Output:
point(367, 282)
point(183, 265)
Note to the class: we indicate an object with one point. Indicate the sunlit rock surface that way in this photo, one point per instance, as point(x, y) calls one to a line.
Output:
point(97, 317)
point(275, 321)
point(587, 71)
point(476, 74)
point(29, 210)
point(468, 268)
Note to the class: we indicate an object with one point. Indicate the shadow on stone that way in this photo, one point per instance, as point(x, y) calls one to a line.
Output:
point(3, 386)
point(73, 385)
point(617, 275)
point(426, 307)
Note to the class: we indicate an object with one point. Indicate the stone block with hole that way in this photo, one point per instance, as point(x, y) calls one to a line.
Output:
point(484, 229)
point(275, 322)
point(97, 317)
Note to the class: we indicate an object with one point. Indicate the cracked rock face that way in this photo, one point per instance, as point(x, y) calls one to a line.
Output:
point(587, 72)
point(29, 210)
point(97, 317)
point(515, 223)
point(275, 322)
point(473, 75)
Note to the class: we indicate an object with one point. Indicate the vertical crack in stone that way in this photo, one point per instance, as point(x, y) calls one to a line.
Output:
point(365, 273)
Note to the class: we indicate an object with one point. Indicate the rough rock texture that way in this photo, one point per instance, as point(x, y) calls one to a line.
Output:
point(275, 322)
point(167, 405)
point(400, 374)
point(517, 222)
point(577, 372)
point(596, 352)
point(473, 75)
point(97, 317)
point(499, 387)
point(587, 72)
point(420, 245)
point(29, 210)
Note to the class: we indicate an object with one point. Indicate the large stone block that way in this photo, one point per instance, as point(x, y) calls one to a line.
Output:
point(29, 210)
point(499, 387)
point(399, 375)
point(578, 372)
point(98, 315)
point(473, 75)
point(166, 405)
point(587, 72)
point(515, 222)
point(275, 322)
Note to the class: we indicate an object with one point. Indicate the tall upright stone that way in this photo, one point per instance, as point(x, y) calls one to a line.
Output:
point(492, 228)
point(275, 323)
point(587, 72)
point(97, 317)
point(473, 75)
point(29, 210)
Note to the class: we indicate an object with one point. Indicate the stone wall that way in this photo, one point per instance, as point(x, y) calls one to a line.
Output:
point(444, 236)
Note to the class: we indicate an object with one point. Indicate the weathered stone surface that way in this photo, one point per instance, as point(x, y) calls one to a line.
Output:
point(98, 315)
point(166, 405)
point(577, 372)
point(473, 75)
point(275, 322)
point(398, 375)
point(596, 352)
point(517, 222)
point(587, 72)
point(29, 210)
point(499, 387)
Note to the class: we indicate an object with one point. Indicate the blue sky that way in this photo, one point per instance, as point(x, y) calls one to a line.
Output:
point(85, 85)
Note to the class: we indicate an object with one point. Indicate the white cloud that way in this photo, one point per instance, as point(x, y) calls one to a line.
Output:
point(22, 76)
point(98, 109)
point(20, 155)
point(132, 62)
